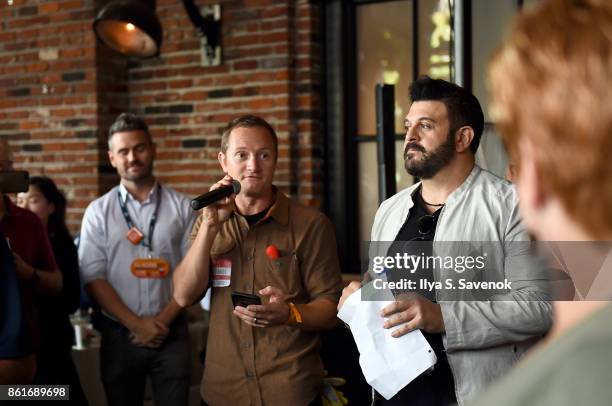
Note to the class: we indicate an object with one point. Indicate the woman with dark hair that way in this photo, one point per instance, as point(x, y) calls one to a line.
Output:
point(54, 360)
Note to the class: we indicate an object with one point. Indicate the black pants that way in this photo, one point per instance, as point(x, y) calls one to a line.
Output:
point(125, 366)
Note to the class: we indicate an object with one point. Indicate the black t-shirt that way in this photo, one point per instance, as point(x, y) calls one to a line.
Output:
point(435, 388)
point(254, 218)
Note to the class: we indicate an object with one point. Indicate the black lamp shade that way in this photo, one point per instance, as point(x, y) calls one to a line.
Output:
point(129, 27)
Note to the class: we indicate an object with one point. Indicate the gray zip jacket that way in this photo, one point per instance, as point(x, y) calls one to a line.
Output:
point(483, 339)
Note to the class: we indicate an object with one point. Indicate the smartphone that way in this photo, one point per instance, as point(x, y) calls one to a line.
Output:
point(245, 299)
point(14, 181)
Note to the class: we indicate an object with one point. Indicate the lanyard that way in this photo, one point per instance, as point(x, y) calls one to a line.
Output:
point(128, 219)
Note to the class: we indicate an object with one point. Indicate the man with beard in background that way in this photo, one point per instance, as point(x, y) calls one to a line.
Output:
point(132, 238)
point(474, 341)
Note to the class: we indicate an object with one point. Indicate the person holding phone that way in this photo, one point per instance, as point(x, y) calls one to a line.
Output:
point(549, 88)
point(260, 245)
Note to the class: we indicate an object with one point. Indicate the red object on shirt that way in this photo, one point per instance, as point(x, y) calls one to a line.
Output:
point(272, 252)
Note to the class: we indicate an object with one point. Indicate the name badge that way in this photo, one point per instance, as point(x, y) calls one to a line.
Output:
point(154, 268)
point(134, 235)
point(222, 273)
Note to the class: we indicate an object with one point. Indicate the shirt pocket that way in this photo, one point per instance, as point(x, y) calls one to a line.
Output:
point(284, 273)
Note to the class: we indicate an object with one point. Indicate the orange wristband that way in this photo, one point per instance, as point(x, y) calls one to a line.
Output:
point(295, 317)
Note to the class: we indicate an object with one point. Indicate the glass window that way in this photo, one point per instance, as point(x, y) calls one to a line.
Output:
point(384, 55)
point(490, 21)
point(435, 39)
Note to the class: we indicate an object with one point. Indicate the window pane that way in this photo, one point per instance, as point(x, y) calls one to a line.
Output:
point(368, 188)
point(434, 39)
point(368, 183)
point(490, 20)
point(384, 55)
point(489, 25)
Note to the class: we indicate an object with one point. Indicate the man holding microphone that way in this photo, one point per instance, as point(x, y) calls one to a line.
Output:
point(260, 246)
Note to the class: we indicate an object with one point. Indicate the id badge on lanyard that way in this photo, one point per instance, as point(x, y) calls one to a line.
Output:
point(150, 267)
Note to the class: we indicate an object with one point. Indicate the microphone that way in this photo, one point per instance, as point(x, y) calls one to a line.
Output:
point(213, 196)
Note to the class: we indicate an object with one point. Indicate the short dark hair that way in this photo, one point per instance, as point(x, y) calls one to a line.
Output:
point(462, 106)
point(127, 122)
point(247, 121)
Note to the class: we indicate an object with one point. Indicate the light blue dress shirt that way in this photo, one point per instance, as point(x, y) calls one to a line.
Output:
point(105, 253)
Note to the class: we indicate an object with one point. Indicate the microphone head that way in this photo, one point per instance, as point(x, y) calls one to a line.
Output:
point(236, 186)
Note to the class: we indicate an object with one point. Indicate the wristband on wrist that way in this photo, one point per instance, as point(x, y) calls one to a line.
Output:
point(295, 317)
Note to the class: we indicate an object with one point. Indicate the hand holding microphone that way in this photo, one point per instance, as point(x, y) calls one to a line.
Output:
point(216, 193)
point(217, 203)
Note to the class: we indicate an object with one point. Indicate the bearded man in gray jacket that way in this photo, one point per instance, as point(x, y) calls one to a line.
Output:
point(475, 341)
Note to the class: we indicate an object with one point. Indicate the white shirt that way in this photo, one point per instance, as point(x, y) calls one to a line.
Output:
point(105, 253)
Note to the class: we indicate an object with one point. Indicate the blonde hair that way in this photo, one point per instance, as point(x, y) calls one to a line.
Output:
point(551, 83)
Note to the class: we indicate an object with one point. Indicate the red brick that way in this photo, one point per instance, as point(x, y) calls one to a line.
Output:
point(48, 8)
point(191, 96)
point(72, 52)
point(37, 67)
point(264, 31)
point(271, 38)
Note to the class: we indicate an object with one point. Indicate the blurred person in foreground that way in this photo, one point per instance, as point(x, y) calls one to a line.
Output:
point(54, 359)
point(34, 263)
point(551, 84)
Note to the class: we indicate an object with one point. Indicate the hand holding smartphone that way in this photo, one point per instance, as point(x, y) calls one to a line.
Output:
point(244, 299)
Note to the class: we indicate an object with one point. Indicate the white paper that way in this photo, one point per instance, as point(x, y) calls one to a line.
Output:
point(388, 363)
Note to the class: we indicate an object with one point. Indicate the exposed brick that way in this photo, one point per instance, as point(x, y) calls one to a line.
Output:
point(86, 134)
point(23, 91)
point(168, 120)
point(73, 76)
point(75, 122)
point(49, 54)
point(27, 11)
point(194, 143)
point(246, 65)
point(141, 75)
point(48, 8)
point(217, 94)
point(31, 147)
point(191, 96)
point(72, 52)
point(181, 108)
point(156, 109)
point(78, 86)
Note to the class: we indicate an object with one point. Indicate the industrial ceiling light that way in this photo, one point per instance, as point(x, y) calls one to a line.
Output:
point(207, 19)
point(130, 27)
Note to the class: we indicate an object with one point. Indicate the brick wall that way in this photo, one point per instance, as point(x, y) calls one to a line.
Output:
point(60, 89)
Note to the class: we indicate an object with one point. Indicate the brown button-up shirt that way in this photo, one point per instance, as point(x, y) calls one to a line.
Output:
point(279, 365)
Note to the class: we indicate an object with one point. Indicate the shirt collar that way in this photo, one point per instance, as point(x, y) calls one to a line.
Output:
point(280, 209)
point(124, 193)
